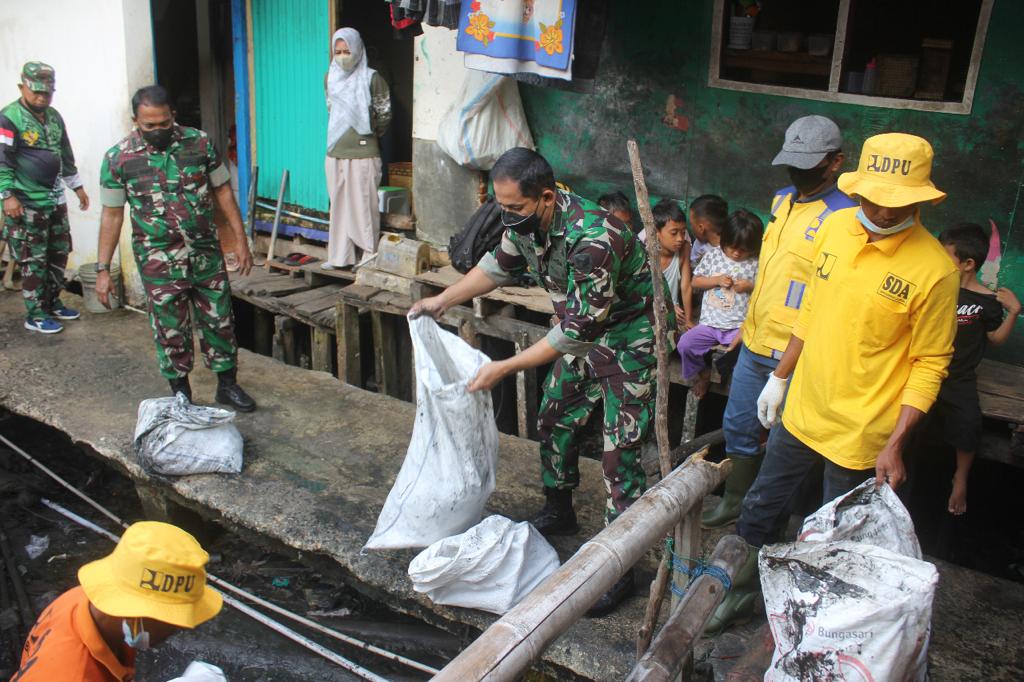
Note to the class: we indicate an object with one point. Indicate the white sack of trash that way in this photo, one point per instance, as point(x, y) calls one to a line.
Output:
point(852, 599)
point(175, 437)
point(491, 567)
point(449, 467)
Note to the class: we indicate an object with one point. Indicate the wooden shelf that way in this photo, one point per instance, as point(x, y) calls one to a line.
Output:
point(778, 62)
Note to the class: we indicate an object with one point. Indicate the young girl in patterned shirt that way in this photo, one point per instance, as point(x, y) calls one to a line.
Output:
point(726, 274)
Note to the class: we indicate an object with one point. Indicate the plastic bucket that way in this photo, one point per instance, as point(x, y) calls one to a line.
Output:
point(87, 276)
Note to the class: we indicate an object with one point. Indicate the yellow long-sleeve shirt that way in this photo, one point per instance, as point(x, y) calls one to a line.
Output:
point(787, 253)
point(878, 324)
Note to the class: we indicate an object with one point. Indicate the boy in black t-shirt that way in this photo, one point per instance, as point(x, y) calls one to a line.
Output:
point(980, 321)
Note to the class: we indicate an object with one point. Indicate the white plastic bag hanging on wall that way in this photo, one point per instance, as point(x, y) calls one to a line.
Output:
point(486, 120)
point(449, 468)
point(491, 566)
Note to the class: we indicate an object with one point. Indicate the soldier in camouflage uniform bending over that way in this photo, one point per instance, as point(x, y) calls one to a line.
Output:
point(602, 348)
point(170, 175)
point(35, 164)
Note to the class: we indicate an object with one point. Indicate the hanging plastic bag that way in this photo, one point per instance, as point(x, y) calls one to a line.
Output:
point(486, 120)
point(491, 567)
point(851, 599)
point(175, 437)
point(449, 468)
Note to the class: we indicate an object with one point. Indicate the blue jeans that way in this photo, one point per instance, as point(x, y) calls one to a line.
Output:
point(740, 424)
point(788, 463)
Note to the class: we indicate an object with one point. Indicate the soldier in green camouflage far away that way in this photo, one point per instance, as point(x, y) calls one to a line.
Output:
point(170, 175)
point(597, 273)
point(35, 164)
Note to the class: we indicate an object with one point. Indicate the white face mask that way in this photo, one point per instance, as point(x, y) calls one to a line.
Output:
point(345, 61)
point(138, 641)
point(871, 227)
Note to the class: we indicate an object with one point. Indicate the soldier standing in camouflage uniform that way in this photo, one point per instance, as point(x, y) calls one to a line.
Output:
point(35, 164)
point(602, 348)
point(168, 173)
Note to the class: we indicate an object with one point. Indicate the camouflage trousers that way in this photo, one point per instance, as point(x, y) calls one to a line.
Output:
point(571, 392)
point(186, 290)
point(40, 241)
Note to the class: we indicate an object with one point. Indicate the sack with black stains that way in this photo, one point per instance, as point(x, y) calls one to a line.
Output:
point(175, 437)
point(852, 599)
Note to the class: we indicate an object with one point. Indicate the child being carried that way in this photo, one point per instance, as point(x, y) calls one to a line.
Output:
point(726, 274)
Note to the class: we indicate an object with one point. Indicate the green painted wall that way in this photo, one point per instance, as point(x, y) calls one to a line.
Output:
point(731, 136)
point(291, 52)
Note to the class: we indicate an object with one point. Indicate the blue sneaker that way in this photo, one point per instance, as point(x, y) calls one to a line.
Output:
point(62, 312)
point(44, 326)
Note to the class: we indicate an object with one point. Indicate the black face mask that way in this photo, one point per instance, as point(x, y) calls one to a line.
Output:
point(158, 138)
point(807, 180)
point(524, 225)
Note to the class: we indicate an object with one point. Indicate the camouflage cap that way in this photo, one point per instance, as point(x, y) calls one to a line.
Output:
point(38, 77)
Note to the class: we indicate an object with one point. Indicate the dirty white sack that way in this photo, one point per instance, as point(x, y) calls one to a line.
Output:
point(175, 437)
point(449, 467)
point(198, 671)
point(852, 599)
point(865, 514)
point(491, 566)
point(484, 122)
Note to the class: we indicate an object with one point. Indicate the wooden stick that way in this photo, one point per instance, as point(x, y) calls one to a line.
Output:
point(643, 204)
point(277, 218)
point(519, 637)
point(674, 644)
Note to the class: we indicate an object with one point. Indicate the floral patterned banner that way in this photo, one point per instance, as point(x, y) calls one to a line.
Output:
point(527, 30)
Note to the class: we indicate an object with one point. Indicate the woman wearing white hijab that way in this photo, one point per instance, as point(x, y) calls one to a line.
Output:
point(359, 111)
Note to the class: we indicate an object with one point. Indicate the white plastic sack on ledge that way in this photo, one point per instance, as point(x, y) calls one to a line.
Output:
point(485, 121)
point(851, 599)
point(491, 567)
point(175, 437)
point(865, 514)
point(449, 468)
point(198, 671)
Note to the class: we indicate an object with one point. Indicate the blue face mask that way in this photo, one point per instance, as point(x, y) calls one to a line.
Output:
point(139, 640)
point(871, 227)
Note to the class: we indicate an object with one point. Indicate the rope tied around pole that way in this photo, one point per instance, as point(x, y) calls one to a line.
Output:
point(700, 567)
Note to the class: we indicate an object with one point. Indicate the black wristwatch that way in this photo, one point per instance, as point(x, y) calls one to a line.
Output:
point(100, 267)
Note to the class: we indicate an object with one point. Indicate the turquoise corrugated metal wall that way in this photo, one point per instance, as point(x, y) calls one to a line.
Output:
point(290, 53)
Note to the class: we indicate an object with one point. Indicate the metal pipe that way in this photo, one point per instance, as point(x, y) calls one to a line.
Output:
point(519, 637)
point(294, 214)
point(671, 648)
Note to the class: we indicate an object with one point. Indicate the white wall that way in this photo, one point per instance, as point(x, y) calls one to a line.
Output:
point(102, 51)
point(437, 76)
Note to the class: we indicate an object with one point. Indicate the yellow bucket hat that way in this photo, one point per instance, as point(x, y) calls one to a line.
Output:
point(894, 170)
point(156, 571)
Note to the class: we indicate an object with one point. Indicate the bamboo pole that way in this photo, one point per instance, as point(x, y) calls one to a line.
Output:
point(519, 637)
point(643, 204)
point(666, 657)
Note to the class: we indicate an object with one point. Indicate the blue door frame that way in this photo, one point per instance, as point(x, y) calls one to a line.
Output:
point(240, 59)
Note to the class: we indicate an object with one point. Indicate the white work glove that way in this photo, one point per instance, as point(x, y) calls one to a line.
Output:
point(198, 671)
point(770, 400)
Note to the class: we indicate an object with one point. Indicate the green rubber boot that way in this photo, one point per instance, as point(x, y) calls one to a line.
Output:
point(744, 471)
point(741, 601)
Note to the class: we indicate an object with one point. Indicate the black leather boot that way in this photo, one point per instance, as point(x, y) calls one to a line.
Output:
point(622, 589)
point(231, 394)
point(181, 385)
point(557, 517)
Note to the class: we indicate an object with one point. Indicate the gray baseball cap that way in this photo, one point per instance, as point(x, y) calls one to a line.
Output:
point(808, 140)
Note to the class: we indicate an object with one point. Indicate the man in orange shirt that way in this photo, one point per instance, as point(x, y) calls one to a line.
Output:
point(150, 587)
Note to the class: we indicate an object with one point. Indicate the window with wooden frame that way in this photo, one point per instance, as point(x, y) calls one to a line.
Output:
point(904, 54)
